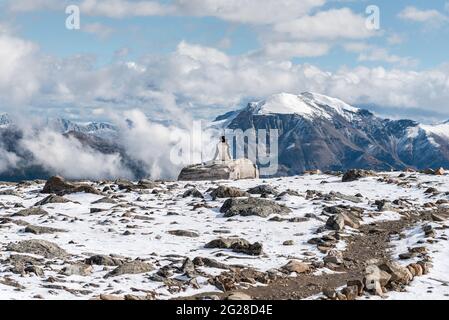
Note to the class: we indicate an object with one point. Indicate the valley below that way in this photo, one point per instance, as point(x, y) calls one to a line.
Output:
point(378, 235)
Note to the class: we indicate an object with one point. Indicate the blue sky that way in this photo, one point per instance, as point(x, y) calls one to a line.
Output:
point(229, 52)
point(161, 34)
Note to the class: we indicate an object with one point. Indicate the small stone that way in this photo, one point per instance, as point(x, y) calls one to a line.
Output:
point(183, 233)
point(238, 296)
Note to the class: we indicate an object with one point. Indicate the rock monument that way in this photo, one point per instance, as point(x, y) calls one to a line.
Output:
point(222, 167)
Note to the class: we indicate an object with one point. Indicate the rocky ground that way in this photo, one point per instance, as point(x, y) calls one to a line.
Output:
point(363, 235)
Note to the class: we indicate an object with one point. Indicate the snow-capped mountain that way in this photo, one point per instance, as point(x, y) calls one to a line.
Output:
point(98, 129)
point(320, 132)
point(64, 126)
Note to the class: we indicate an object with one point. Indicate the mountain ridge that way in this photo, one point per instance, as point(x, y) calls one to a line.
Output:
point(320, 132)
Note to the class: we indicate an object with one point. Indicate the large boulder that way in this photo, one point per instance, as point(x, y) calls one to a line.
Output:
point(123, 184)
point(51, 199)
point(30, 212)
point(252, 207)
point(232, 170)
point(104, 260)
point(263, 189)
point(356, 174)
point(60, 187)
point(399, 274)
point(39, 247)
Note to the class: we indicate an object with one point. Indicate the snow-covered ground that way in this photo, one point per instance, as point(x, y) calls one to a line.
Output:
point(103, 232)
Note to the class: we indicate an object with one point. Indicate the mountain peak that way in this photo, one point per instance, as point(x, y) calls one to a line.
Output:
point(307, 104)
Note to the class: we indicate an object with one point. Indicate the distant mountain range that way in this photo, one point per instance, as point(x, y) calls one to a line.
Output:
point(99, 136)
point(64, 126)
point(320, 132)
point(315, 132)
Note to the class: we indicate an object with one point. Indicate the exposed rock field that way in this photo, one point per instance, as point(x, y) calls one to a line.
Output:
point(378, 236)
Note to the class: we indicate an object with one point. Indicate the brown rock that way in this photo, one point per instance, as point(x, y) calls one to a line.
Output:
point(296, 266)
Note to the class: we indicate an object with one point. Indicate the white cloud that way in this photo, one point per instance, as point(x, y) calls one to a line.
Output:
point(124, 8)
point(328, 25)
point(246, 11)
point(36, 5)
point(68, 157)
point(8, 160)
point(201, 81)
point(432, 17)
point(19, 69)
point(98, 29)
point(395, 39)
point(286, 50)
point(381, 54)
point(249, 11)
point(313, 36)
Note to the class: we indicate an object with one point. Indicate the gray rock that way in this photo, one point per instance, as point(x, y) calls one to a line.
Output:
point(129, 185)
point(188, 267)
point(262, 189)
point(30, 212)
point(193, 192)
point(135, 267)
point(60, 187)
point(211, 263)
point(252, 207)
point(431, 191)
point(105, 200)
point(228, 192)
point(103, 260)
point(234, 170)
point(183, 233)
point(356, 174)
point(9, 192)
point(51, 199)
point(237, 245)
point(42, 230)
point(21, 262)
point(39, 247)
point(342, 196)
point(296, 266)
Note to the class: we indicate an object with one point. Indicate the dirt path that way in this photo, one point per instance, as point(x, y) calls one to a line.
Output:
point(372, 242)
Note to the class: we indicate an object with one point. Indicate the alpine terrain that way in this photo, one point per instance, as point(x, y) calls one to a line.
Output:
point(320, 132)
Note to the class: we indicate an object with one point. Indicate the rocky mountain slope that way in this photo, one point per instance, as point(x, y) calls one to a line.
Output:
point(320, 132)
point(289, 238)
